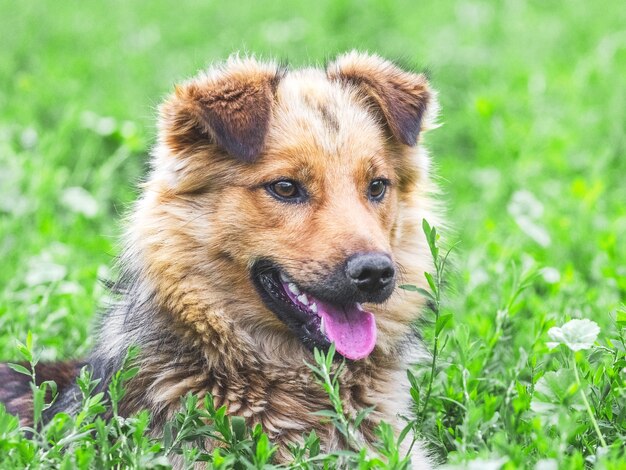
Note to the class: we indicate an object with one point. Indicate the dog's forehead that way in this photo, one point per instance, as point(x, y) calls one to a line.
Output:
point(323, 115)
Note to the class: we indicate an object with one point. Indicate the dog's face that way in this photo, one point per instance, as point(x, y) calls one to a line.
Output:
point(276, 198)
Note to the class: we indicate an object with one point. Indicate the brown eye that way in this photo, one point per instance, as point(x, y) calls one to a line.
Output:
point(377, 189)
point(286, 190)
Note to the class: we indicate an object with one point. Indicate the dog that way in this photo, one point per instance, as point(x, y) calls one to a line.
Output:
point(282, 209)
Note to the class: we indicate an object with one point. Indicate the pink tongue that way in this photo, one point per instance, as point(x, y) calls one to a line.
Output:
point(352, 330)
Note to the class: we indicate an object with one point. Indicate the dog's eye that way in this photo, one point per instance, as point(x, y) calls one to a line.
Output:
point(377, 189)
point(286, 190)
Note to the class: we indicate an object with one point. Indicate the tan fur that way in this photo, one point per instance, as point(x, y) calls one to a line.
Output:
point(204, 218)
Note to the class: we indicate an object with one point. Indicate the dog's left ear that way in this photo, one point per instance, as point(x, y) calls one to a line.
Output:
point(229, 106)
point(402, 98)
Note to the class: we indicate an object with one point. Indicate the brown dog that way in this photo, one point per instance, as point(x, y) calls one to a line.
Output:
point(281, 210)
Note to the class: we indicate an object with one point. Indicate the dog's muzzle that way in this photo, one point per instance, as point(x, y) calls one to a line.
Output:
point(330, 310)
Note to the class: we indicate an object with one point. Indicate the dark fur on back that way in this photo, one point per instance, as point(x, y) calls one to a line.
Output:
point(15, 388)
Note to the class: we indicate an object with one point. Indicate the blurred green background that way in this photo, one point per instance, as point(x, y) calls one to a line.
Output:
point(530, 155)
point(530, 158)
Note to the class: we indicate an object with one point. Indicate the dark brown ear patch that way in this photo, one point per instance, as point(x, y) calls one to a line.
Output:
point(231, 107)
point(401, 97)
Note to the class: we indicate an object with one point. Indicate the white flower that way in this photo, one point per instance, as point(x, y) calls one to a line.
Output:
point(526, 210)
point(547, 464)
point(575, 334)
point(79, 200)
point(550, 275)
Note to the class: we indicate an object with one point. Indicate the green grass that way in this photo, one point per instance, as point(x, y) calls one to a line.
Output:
point(531, 157)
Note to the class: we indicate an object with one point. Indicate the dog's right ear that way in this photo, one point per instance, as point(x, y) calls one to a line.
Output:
point(229, 106)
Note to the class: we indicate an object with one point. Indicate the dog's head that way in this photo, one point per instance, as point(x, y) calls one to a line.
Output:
point(287, 204)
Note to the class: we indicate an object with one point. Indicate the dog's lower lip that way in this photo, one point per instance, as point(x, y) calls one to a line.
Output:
point(271, 282)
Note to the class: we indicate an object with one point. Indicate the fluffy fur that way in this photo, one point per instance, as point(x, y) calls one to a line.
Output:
point(204, 217)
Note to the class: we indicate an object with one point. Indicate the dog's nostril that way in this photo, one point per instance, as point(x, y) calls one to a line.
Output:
point(365, 275)
point(387, 274)
point(370, 272)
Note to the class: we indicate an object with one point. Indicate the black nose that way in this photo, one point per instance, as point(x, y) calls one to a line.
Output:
point(370, 272)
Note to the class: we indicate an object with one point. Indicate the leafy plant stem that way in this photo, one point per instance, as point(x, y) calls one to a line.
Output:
point(435, 283)
point(587, 406)
point(440, 264)
point(433, 365)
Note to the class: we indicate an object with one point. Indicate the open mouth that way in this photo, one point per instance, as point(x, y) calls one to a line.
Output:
point(317, 322)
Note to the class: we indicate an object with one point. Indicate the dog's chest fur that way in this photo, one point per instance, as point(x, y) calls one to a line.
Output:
point(281, 393)
point(281, 397)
